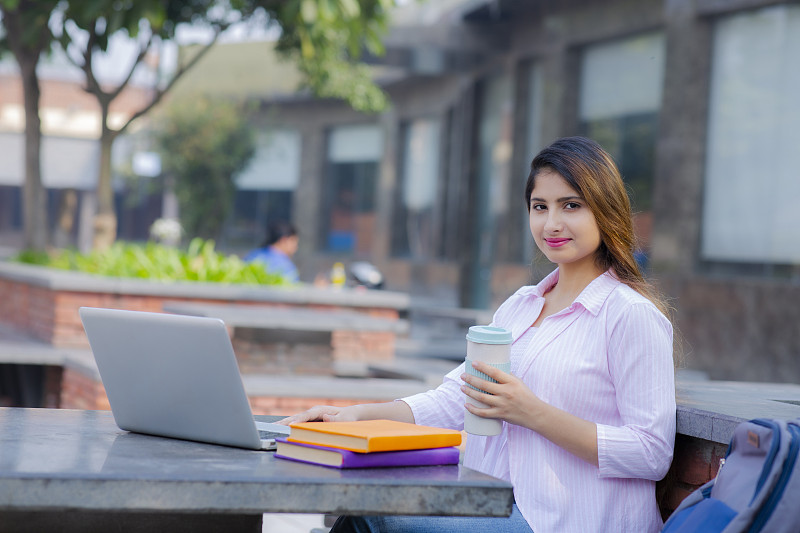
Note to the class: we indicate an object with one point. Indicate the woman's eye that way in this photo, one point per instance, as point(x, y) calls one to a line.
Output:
point(538, 207)
point(572, 205)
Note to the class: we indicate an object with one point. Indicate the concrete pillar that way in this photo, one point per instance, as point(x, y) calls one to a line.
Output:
point(680, 151)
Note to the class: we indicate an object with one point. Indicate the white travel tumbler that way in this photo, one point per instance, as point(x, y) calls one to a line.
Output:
point(491, 345)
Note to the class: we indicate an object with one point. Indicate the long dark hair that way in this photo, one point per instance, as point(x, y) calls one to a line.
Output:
point(593, 174)
point(277, 230)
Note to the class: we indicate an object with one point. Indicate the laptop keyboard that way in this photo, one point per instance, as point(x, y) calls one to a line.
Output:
point(269, 431)
point(265, 435)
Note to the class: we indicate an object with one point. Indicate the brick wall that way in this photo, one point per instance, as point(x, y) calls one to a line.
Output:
point(273, 405)
point(52, 315)
point(696, 462)
point(353, 346)
point(277, 352)
point(80, 391)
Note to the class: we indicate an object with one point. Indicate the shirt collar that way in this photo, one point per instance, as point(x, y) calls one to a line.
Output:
point(546, 284)
point(592, 297)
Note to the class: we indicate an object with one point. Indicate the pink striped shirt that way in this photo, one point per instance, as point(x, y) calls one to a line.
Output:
point(606, 358)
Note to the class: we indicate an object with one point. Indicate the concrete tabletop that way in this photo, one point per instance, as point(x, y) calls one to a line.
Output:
point(54, 459)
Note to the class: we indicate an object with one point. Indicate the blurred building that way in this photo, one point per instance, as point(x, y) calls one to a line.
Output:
point(696, 100)
point(251, 71)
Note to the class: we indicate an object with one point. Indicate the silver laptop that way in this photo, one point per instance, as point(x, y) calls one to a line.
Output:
point(174, 376)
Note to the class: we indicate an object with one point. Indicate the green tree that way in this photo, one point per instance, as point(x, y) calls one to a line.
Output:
point(27, 36)
point(87, 30)
point(325, 37)
point(204, 143)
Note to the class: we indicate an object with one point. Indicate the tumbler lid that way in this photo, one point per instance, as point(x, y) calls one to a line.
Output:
point(489, 335)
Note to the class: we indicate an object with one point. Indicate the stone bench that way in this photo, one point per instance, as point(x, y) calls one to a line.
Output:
point(464, 316)
point(289, 340)
point(440, 329)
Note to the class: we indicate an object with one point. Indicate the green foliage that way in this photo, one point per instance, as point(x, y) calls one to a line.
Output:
point(326, 38)
point(103, 18)
point(200, 262)
point(30, 18)
point(203, 144)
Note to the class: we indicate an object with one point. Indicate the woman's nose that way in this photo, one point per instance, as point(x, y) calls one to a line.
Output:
point(553, 222)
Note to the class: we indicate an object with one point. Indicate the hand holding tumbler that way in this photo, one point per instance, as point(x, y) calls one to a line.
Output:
point(491, 345)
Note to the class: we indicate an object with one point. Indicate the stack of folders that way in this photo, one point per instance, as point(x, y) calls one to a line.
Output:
point(369, 443)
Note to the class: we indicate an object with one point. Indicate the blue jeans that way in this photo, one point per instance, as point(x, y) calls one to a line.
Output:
point(431, 524)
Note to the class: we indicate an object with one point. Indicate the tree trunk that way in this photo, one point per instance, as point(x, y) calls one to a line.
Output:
point(33, 192)
point(34, 198)
point(105, 220)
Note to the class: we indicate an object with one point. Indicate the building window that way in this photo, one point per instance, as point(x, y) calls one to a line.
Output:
point(276, 163)
point(354, 154)
point(253, 211)
point(752, 155)
point(10, 208)
point(415, 217)
point(265, 189)
point(620, 98)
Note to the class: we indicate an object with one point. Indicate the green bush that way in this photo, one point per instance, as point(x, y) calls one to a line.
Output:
point(200, 262)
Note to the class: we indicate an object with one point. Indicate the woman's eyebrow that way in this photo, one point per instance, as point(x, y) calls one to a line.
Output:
point(559, 200)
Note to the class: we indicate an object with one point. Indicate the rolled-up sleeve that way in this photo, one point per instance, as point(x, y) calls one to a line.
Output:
point(443, 406)
point(641, 367)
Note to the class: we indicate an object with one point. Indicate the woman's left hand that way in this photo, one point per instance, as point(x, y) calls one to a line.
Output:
point(509, 399)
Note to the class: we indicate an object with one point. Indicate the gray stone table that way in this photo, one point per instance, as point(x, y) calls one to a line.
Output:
point(65, 470)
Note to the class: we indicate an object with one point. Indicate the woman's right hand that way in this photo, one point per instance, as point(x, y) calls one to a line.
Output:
point(324, 413)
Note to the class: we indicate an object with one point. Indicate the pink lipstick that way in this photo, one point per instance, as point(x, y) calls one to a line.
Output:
point(555, 243)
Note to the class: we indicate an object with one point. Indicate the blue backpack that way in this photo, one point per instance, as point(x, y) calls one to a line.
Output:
point(757, 488)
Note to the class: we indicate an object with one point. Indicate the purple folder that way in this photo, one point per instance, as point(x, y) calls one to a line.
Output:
point(338, 458)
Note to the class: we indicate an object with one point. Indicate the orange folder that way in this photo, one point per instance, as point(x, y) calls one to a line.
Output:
point(373, 435)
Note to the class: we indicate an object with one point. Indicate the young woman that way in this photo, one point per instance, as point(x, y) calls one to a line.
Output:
point(589, 404)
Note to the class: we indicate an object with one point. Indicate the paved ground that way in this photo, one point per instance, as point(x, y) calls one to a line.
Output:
point(291, 523)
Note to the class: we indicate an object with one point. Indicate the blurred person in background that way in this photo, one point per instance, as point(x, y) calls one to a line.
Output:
point(277, 251)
